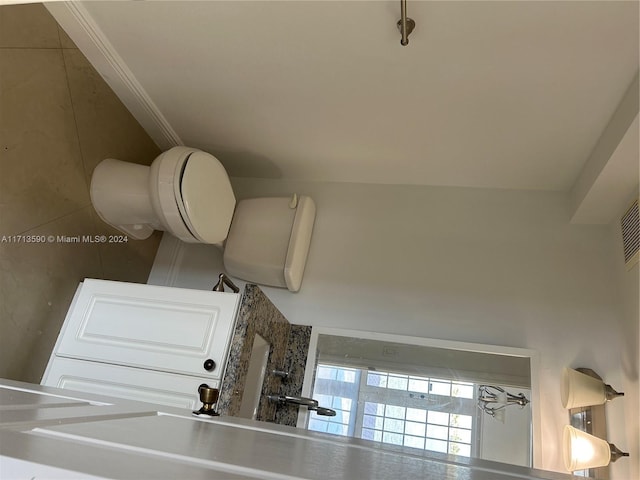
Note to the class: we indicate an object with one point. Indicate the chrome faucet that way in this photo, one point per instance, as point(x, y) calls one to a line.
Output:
point(290, 400)
point(310, 403)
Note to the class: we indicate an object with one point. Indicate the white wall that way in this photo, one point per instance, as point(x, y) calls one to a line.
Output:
point(503, 441)
point(477, 265)
point(487, 266)
point(627, 286)
point(282, 94)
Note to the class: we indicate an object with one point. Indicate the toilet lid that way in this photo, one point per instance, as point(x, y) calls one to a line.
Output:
point(206, 200)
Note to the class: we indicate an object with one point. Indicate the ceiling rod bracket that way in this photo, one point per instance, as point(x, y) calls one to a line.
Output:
point(405, 24)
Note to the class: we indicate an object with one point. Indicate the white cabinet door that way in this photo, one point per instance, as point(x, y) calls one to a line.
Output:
point(152, 327)
point(124, 382)
point(147, 441)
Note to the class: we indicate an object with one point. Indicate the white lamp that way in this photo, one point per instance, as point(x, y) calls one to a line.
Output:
point(582, 390)
point(583, 451)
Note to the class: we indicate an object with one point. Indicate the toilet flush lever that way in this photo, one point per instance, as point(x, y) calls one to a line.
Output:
point(293, 203)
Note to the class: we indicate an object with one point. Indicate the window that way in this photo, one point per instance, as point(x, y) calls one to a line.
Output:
point(424, 428)
point(335, 388)
point(406, 410)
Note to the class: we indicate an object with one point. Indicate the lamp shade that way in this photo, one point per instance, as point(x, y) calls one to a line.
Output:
point(582, 451)
point(581, 390)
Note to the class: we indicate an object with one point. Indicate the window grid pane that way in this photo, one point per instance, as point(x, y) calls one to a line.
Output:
point(394, 411)
point(439, 437)
point(438, 418)
point(377, 380)
point(462, 390)
point(440, 388)
point(437, 431)
point(415, 427)
point(414, 442)
point(394, 425)
point(419, 385)
point(460, 435)
point(417, 415)
point(347, 375)
point(337, 425)
point(435, 445)
point(463, 449)
point(392, 438)
point(397, 382)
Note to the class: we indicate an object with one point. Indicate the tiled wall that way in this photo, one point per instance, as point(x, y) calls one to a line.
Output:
point(58, 120)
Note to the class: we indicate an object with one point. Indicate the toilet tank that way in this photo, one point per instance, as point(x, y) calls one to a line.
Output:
point(269, 240)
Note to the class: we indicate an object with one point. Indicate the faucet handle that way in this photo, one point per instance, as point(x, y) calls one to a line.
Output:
point(283, 374)
point(222, 281)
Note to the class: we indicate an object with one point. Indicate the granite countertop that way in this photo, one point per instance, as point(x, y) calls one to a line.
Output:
point(289, 344)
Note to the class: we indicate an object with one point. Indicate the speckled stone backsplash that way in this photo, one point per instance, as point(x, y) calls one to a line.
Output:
point(295, 361)
point(288, 351)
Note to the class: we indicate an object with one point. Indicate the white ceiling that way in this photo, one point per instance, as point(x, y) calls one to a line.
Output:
point(487, 94)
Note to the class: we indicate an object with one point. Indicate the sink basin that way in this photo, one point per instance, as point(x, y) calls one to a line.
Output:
point(255, 378)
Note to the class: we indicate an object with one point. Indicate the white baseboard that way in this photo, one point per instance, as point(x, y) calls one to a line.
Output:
point(168, 262)
point(92, 42)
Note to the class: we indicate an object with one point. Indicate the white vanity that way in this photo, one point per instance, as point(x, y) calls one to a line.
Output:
point(143, 342)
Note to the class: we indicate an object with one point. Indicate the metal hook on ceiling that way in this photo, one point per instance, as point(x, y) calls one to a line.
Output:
point(405, 24)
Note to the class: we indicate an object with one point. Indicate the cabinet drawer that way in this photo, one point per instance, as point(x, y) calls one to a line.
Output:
point(125, 382)
point(147, 326)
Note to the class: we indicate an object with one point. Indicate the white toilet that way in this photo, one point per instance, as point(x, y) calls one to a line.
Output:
point(187, 193)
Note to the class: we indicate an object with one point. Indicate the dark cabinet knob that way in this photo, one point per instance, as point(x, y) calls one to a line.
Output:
point(209, 365)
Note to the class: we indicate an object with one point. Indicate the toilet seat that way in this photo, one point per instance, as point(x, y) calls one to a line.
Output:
point(191, 193)
point(203, 192)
